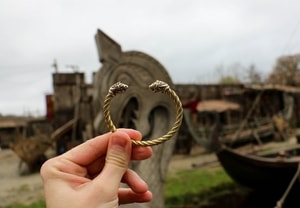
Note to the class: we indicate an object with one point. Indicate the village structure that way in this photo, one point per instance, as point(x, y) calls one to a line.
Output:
point(246, 111)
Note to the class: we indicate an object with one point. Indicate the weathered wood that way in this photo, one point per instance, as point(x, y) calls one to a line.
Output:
point(31, 150)
point(62, 130)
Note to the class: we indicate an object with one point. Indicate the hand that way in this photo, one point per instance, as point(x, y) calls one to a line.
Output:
point(90, 174)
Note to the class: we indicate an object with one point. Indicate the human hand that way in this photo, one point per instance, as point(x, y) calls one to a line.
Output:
point(90, 174)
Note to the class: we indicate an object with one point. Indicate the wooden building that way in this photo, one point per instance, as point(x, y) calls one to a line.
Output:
point(10, 128)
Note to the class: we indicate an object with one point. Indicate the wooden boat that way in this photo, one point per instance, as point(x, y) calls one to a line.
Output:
point(261, 170)
point(273, 172)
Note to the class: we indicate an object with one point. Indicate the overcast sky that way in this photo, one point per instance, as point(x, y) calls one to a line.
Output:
point(191, 38)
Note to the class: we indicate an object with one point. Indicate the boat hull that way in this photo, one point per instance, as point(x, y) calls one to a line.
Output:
point(259, 173)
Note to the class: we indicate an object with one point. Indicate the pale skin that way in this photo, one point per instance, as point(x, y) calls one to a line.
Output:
point(90, 174)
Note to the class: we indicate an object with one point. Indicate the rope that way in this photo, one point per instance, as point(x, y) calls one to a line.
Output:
point(281, 201)
point(157, 86)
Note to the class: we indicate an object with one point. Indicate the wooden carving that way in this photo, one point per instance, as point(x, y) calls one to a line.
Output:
point(153, 114)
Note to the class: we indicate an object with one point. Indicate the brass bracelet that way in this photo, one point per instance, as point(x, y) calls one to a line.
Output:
point(157, 86)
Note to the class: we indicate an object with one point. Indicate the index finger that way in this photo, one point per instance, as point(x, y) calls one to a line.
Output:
point(92, 149)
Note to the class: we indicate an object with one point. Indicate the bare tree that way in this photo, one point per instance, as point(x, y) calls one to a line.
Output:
point(286, 70)
point(254, 76)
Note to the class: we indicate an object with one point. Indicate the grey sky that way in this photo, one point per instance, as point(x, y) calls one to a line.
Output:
point(190, 38)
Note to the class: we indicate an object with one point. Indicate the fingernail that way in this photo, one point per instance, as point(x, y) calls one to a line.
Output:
point(118, 143)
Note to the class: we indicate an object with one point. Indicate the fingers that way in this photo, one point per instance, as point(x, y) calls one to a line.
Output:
point(134, 181)
point(117, 160)
point(92, 153)
point(137, 191)
point(60, 168)
point(108, 155)
point(127, 196)
point(141, 153)
point(138, 153)
point(94, 148)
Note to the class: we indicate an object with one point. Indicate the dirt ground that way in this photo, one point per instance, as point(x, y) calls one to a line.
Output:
point(26, 189)
point(15, 188)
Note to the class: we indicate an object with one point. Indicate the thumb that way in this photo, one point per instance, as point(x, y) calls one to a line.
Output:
point(117, 161)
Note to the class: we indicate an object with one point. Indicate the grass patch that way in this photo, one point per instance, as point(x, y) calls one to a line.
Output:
point(39, 204)
point(185, 188)
point(24, 188)
point(189, 187)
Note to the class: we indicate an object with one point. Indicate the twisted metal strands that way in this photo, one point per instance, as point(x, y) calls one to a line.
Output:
point(157, 86)
point(115, 89)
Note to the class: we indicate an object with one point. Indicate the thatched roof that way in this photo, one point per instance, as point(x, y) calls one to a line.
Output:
point(12, 122)
point(283, 88)
point(217, 105)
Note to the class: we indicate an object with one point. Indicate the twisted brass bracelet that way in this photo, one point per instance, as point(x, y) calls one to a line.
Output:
point(157, 86)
